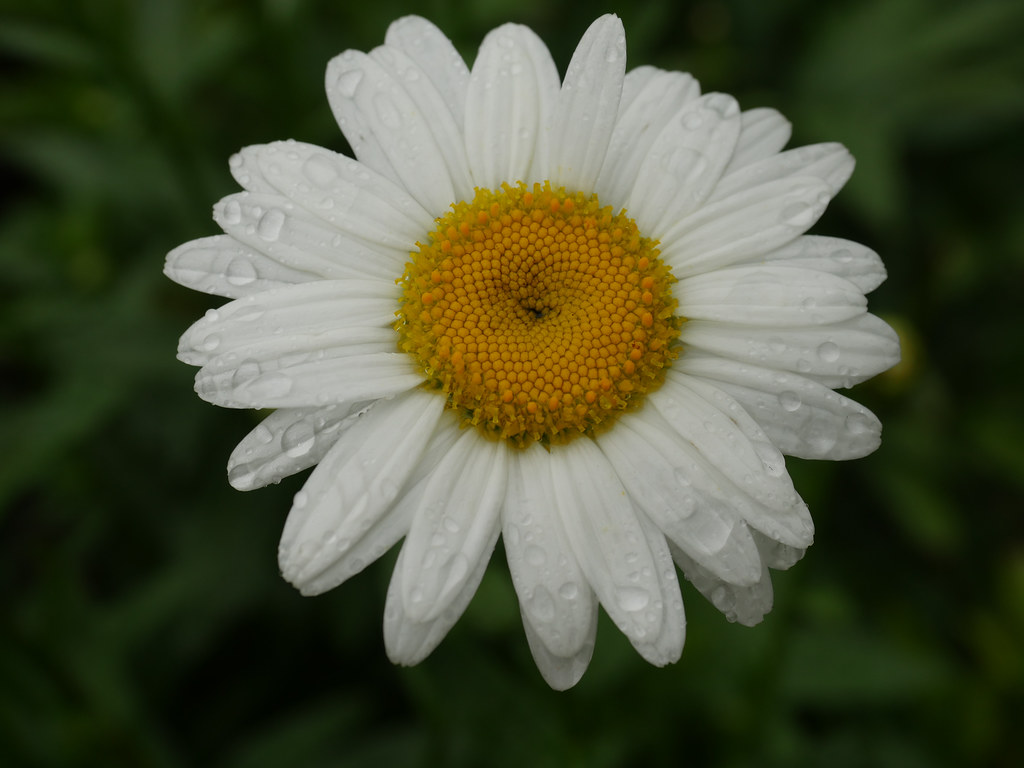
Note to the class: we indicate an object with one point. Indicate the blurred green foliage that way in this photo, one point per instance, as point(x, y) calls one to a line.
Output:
point(144, 622)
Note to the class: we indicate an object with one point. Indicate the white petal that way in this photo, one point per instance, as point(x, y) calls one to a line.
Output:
point(353, 487)
point(671, 481)
point(746, 605)
point(764, 132)
point(288, 441)
point(395, 522)
point(225, 267)
point(511, 97)
point(558, 607)
point(455, 524)
point(838, 355)
point(346, 194)
point(667, 646)
point(388, 130)
point(744, 226)
point(650, 98)
point(775, 554)
point(296, 371)
point(769, 295)
point(245, 167)
point(562, 672)
point(684, 162)
point(588, 105)
point(843, 258)
point(435, 55)
point(445, 126)
point(830, 162)
point(735, 445)
point(607, 538)
point(802, 417)
point(408, 641)
point(306, 313)
point(297, 240)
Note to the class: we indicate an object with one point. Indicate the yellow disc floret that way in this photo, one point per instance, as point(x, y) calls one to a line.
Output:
point(541, 315)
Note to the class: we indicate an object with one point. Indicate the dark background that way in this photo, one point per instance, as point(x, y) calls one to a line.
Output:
point(143, 620)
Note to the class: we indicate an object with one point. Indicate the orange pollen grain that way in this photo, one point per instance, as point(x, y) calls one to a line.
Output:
point(539, 314)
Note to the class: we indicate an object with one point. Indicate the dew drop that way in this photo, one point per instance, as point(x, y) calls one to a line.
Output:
point(298, 439)
point(829, 352)
point(693, 120)
point(569, 590)
point(232, 212)
point(269, 386)
point(270, 224)
point(858, 423)
point(790, 401)
point(450, 524)
point(246, 372)
point(210, 343)
point(534, 556)
point(541, 604)
point(347, 82)
point(798, 214)
point(301, 500)
point(320, 170)
point(240, 272)
point(632, 598)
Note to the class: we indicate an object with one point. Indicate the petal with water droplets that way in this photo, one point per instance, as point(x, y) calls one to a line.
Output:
point(388, 129)
point(588, 105)
point(612, 548)
point(511, 97)
point(672, 483)
point(684, 162)
point(770, 295)
point(763, 132)
point(455, 524)
point(746, 605)
point(745, 225)
point(353, 487)
point(732, 442)
point(802, 417)
point(843, 258)
point(650, 98)
point(558, 607)
point(223, 266)
point(289, 440)
point(837, 355)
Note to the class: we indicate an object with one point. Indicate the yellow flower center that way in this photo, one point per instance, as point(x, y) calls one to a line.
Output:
point(541, 315)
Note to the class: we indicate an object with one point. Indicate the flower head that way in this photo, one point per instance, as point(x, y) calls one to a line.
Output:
point(579, 315)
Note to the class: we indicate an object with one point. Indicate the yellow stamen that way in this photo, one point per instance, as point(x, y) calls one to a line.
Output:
point(541, 315)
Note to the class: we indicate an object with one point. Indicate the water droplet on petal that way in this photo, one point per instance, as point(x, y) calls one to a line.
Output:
point(534, 556)
point(858, 423)
point(798, 214)
point(240, 272)
point(269, 386)
point(320, 170)
point(298, 439)
point(347, 82)
point(569, 590)
point(541, 604)
point(270, 224)
point(632, 598)
point(210, 343)
point(246, 372)
point(829, 352)
point(790, 401)
point(232, 212)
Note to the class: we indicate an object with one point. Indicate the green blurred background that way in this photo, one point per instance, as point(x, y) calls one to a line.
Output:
point(144, 622)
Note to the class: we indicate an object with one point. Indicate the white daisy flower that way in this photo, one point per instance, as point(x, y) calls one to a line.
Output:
point(579, 315)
